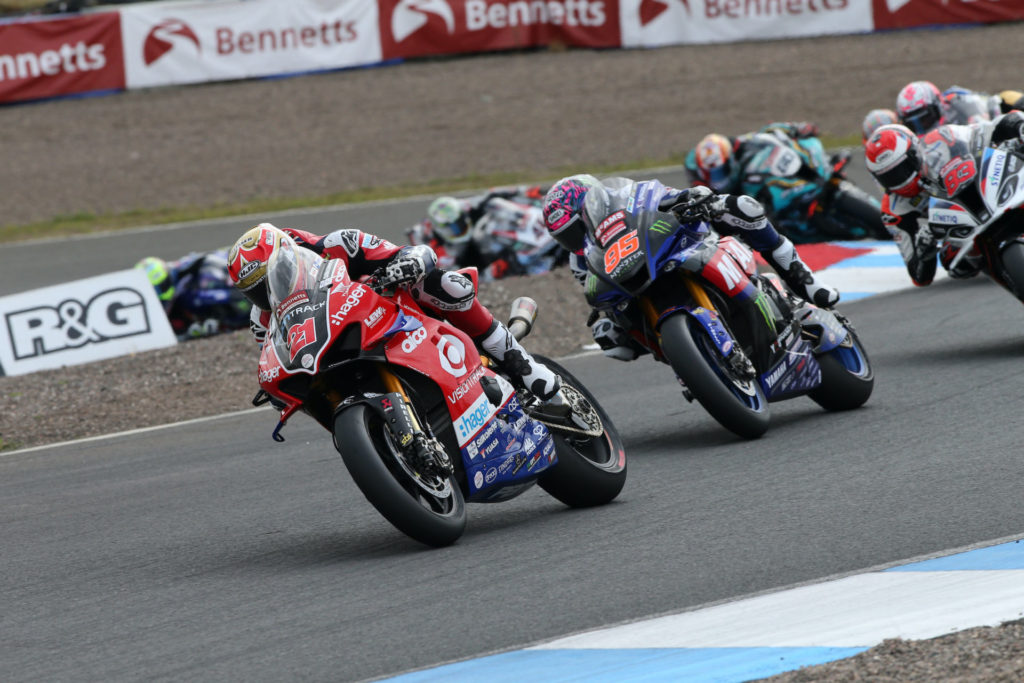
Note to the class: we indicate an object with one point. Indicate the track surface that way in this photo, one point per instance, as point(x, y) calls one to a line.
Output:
point(207, 551)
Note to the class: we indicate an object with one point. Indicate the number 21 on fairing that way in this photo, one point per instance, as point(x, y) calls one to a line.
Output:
point(300, 335)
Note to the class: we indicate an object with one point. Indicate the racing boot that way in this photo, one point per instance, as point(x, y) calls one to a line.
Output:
point(786, 262)
point(517, 362)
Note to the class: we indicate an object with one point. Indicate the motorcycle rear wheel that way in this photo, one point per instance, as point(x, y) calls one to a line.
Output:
point(376, 465)
point(591, 470)
point(738, 405)
point(847, 379)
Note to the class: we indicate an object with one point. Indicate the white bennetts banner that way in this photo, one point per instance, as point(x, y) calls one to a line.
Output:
point(653, 23)
point(191, 42)
point(80, 322)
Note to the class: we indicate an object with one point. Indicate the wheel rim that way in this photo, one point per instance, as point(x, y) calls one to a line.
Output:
point(853, 359)
point(745, 391)
point(433, 492)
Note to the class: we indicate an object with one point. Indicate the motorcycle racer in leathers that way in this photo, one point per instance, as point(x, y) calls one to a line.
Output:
point(448, 294)
point(898, 160)
point(738, 215)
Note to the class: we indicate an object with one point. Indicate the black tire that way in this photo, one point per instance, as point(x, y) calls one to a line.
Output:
point(739, 407)
point(855, 206)
point(1012, 256)
point(373, 460)
point(590, 470)
point(847, 379)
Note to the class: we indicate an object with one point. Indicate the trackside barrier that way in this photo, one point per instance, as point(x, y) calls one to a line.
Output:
point(81, 321)
point(162, 43)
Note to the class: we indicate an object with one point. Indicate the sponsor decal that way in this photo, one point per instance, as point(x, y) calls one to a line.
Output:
point(533, 461)
point(538, 429)
point(471, 450)
point(470, 422)
point(308, 308)
point(301, 335)
point(375, 317)
point(520, 461)
point(486, 434)
point(478, 479)
point(549, 449)
point(110, 314)
point(529, 446)
point(270, 375)
point(307, 360)
point(451, 352)
point(610, 227)
point(466, 384)
point(491, 475)
point(775, 375)
point(355, 296)
point(413, 339)
point(506, 464)
point(294, 299)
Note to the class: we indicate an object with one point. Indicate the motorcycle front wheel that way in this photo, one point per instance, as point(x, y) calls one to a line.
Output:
point(591, 470)
point(429, 509)
point(846, 377)
point(737, 404)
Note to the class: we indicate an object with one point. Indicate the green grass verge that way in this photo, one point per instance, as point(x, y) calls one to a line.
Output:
point(85, 222)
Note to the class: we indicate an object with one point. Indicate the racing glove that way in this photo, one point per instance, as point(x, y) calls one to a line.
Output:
point(407, 268)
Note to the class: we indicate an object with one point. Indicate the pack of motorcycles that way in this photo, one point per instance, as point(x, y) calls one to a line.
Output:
point(425, 423)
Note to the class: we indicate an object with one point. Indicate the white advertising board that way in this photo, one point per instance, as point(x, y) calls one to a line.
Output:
point(80, 322)
point(192, 42)
point(652, 23)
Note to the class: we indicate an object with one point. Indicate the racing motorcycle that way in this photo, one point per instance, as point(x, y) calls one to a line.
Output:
point(422, 421)
point(736, 339)
point(807, 193)
point(509, 239)
point(975, 211)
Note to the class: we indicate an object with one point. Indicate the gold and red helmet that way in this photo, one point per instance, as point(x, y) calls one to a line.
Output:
point(247, 262)
point(715, 161)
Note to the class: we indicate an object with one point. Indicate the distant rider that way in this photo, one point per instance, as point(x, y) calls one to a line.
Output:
point(896, 157)
point(921, 107)
point(739, 215)
point(450, 225)
point(196, 294)
point(719, 161)
point(448, 294)
point(875, 119)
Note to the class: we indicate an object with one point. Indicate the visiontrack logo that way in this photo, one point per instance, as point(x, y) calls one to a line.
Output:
point(166, 35)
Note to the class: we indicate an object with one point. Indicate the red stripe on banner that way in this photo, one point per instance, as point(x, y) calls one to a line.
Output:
point(910, 13)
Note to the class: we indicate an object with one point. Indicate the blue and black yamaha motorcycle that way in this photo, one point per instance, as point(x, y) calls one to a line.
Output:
point(736, 339)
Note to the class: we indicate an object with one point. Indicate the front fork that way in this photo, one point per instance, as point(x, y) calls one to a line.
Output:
point(427, 452)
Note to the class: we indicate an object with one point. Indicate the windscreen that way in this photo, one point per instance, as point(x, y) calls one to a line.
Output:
point(291, 269)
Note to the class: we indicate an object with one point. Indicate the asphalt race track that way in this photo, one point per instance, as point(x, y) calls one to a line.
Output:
point(206, 551)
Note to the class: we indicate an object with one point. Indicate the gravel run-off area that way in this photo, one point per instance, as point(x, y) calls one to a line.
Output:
point(540, 112)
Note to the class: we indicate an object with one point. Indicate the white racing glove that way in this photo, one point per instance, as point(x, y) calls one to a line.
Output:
point(407, 268)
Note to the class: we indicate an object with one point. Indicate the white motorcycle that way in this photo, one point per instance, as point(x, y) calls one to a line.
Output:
point(981, 216)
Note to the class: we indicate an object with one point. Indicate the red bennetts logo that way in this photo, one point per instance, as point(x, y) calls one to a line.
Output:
point(164, 36)
point(652, 9)
point(411, 28)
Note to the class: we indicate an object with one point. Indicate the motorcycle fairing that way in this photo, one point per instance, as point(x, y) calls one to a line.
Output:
point(510, 448)
point(823, 325)
point(729, 269)
point(797, 371)
point(710, 320)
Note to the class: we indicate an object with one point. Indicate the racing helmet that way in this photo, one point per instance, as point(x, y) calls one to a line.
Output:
point(247, 262)
point(450, 223)
point(159, 276)
point(893, 157)
point(715, 161)
point(562, 206)
point(875, 119)
point(919, 106)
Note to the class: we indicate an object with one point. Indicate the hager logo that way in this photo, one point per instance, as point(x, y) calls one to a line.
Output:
point(411, 15)
point(165, 36)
